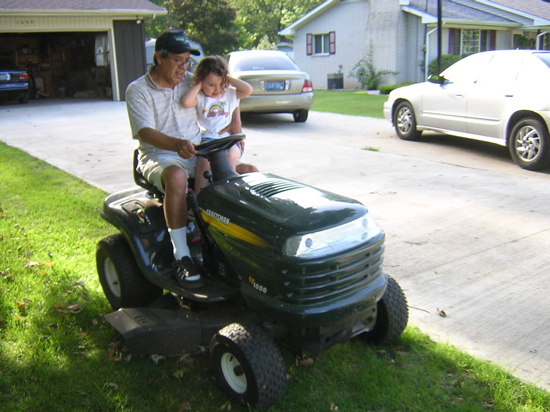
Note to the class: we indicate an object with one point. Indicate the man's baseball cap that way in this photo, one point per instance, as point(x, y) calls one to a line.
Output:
point(175, 41)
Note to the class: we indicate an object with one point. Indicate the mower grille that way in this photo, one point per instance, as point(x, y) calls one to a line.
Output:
point(319, 281)
point(271, 188)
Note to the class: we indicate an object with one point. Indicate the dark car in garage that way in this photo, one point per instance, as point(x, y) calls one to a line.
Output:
point(15, 83)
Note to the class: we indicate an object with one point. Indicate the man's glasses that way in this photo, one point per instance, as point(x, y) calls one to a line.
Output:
point(180, 62)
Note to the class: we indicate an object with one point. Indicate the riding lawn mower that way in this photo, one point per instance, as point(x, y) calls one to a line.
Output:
point(286, 265)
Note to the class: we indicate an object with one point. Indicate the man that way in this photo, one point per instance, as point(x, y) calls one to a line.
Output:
point(167, 133)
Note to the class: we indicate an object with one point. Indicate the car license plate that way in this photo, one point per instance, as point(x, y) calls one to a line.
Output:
point(275, 86)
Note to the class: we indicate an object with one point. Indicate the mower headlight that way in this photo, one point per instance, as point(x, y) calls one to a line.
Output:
point(334, 240)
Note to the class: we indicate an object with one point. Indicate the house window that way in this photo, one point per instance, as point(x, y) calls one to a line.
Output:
point(469, 41)
point(317, 44)
point(320, 44)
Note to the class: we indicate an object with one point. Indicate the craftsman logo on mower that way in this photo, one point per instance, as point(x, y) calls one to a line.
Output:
point(218, 217)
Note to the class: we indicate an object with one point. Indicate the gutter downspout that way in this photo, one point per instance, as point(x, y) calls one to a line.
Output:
point(539, 38)
point(427, 54)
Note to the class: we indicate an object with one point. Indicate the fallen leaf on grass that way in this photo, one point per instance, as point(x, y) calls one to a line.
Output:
point(178, 374)
point(304, 360)
point(59, 309)
point(484, 404)
point(334, 408)
point(112, 386)
point(77, 307)
point(157, 358)
point(118, 352)
point(185, 406)
point(31, 265)
point(226, 406)
point(186, 358)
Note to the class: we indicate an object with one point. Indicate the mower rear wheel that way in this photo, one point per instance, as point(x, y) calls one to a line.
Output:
point(123, 283)
point(392, 315)
point(248, 365)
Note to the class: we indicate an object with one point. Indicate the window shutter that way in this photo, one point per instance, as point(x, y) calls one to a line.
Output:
point(452, 41)
point(332, 42)
point(309, 44)
point(492, 39)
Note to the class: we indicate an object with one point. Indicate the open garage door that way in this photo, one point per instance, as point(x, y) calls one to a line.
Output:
point(63, 64)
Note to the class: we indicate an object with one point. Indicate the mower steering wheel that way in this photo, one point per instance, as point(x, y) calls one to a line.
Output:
point(217, 145)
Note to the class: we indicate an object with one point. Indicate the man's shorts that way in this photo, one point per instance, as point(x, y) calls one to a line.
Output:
point(152, 165)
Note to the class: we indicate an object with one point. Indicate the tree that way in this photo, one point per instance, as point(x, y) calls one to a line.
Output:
point(224, 25)
point(265, 44)
point(259, 18)
point(155, 27)
point(208, 22)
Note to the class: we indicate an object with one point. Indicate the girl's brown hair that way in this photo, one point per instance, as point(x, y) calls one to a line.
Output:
point(212, 64)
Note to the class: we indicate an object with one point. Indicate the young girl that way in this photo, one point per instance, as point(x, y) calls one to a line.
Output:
point(215, 95)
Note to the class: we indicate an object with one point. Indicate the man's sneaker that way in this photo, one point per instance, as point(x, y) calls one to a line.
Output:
point(187, 274)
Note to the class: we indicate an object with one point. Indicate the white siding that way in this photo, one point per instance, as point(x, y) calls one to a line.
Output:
point(348, 21)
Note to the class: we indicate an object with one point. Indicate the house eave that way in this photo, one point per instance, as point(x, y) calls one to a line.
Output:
point(320, 9)
point(476, 23)
point(80, 12)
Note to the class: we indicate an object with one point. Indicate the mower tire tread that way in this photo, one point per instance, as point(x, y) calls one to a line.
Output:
point(259, 358)
point(392, 315)
point(121, 279)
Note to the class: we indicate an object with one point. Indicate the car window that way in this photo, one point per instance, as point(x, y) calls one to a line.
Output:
point(544, 57)
point(467, 70)
point(261, 62)
point(534, 70)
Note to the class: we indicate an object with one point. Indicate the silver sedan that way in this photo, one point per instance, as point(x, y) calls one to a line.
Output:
point(502, 97)
point(279, 86)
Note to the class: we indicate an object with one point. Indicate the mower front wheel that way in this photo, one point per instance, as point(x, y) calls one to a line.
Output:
point(248, 365)
point(392, 315)
point(123, 283)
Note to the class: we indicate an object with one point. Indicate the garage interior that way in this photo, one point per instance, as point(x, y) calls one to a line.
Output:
point(64, 64)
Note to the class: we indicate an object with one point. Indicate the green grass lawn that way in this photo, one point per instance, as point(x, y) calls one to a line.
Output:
point(353, 102)
point(57, 353)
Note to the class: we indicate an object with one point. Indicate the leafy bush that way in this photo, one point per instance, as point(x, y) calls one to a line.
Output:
point(446, 61)
point(366, 73)
point(388, 88)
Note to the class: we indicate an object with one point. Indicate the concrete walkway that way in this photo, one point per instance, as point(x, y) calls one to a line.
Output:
point(467, 231)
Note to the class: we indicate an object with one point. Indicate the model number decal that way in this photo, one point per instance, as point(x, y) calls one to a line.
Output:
point(218, 217)
point(257, 286)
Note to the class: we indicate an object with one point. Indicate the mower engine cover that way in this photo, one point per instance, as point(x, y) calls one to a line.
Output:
point(305, 256)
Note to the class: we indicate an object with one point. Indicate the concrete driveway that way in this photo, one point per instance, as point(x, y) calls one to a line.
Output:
point(467, 230)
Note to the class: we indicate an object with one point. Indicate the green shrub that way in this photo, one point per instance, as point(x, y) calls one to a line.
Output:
point(389, 87)
point(365, 72)
point(446, 61)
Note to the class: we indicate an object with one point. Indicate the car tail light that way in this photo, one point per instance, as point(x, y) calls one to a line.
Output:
point(24, 76)
point(308, 87)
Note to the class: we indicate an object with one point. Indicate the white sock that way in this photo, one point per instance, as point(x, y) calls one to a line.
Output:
point(179, 242)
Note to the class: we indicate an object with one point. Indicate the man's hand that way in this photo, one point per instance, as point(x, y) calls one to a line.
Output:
point(185, 149)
